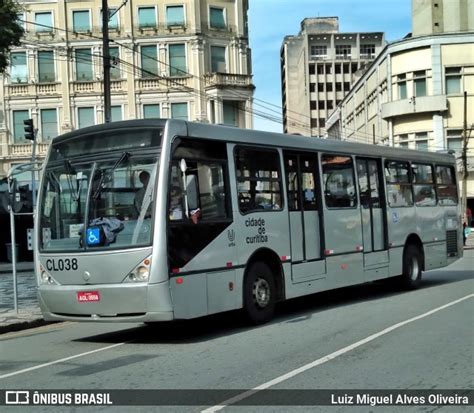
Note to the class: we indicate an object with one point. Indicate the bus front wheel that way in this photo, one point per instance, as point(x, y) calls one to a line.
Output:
point(412, 267)
point(259, 293)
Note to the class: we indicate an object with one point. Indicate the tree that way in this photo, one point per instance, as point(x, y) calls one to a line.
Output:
point(10, 31)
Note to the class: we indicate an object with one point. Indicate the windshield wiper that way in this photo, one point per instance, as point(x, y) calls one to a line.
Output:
point(102, 180)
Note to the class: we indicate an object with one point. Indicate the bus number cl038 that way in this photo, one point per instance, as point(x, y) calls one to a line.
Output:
point(65, 264)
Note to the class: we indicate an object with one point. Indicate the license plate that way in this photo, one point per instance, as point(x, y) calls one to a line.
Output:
point(88, 296)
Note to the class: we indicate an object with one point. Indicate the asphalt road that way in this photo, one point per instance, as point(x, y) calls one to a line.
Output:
point(366, 337)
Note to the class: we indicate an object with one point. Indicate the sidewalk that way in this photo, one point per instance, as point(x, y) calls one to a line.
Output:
point(29, 314)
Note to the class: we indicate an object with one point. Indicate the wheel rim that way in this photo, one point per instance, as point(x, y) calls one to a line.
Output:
point(414, 269)
point(261, 292)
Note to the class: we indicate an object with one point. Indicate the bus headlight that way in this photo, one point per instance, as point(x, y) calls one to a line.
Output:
point(141, 273)
point(45, 278)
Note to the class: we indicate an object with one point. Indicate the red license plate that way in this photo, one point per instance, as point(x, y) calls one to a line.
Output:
point(88, 296)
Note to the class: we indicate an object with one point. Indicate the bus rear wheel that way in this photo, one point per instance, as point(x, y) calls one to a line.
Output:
point(412, 267)
point(259, 293)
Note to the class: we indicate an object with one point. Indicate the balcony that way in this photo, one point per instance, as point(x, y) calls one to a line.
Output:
point(32, 89)
point(220, 80)
point(162, 83)
point(421, 104)
point(86, 87)
point(22, 150)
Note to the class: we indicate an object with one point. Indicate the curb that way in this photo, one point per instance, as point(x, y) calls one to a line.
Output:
point(24, 325)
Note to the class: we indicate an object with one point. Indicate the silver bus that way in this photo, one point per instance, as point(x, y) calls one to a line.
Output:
point(156, 220)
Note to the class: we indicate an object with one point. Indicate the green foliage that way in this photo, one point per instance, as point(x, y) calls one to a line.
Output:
point(10, 31)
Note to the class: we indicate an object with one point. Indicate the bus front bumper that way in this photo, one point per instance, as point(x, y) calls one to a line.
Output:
point(116, 302)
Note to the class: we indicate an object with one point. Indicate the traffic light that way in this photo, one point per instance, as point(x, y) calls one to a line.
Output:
point(29, 129)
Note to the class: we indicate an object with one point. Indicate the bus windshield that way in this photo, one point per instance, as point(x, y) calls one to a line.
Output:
point(98, 204)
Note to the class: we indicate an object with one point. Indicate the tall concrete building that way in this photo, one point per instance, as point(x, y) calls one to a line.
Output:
point(187, 59)
point(412, 95)
point(318, 67)
point(442, 16)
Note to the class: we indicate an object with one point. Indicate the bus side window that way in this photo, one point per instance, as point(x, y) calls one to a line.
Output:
point(258, 179)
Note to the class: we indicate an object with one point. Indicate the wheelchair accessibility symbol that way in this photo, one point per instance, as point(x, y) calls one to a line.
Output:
point(93, 236)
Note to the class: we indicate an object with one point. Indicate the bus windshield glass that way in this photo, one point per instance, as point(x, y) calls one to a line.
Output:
point(98, 202)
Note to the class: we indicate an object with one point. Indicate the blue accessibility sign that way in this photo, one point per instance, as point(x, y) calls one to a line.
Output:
point(93, 236)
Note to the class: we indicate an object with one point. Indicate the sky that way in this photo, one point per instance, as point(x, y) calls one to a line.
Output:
point(271, 20)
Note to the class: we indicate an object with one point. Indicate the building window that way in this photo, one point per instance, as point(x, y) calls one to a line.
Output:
point(420, 83)
point(320, 87)
point(314, 123)
point(113, 23)
point(329, 104)
point(258, 179)
point(177, 58)
point(322, 104)
point(149, 61)
point(403, 141)
point(46, 71)
point(322, 121)
point(455, 140)
point(402, 87)
point(217, 18)
point(44, 22)
point(312, 87)
point(453, 80)
point(179, 111)
point(151, 111)
point(312, 69)
point(18, 68)
point(218, 59)
point(338, 87)
point(85, 117)
point(175, 16)
point(18, 127)
point(116, 113)
point(343, 51)
point(319, 52)
point(231, 112)
point(81, 21)
point(320, 70)
point(337, 68)
point(114, 54)
point(347, 86)
point(146, 17)
point(421, 141)
point(21, 20)
point(329, 87)
point(84, 70)
point(312, 105)
point(49, 124)
point(367, 51)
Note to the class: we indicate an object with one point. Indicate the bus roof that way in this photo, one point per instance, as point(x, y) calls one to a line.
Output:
point(248, 136)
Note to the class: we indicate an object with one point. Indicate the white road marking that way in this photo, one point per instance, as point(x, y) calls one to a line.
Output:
point(324, 359)
point(51, 363)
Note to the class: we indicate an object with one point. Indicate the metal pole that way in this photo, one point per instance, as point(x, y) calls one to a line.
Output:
point(13, 241)
point(106, 61)
point(33, 175)
point(464, 161)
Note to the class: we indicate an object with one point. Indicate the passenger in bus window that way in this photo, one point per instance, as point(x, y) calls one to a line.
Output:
point(140, 194)
point(176, 204)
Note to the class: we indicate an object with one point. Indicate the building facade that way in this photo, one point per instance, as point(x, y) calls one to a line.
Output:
point(442, 16)
point(412, 96)
point(187, 59)
point(318, 67)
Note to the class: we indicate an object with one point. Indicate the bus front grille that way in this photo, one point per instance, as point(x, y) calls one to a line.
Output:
point(452, 243)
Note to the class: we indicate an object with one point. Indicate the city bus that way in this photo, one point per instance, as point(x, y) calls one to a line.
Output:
point(159, 219)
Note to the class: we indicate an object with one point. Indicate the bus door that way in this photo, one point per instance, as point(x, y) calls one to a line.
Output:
point(372, 209)
point(301, 178)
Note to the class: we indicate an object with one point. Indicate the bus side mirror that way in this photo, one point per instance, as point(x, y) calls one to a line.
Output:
point(183, 166)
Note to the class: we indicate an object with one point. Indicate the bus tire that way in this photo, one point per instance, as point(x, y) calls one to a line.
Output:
point(259, 293)
point(412, 267)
